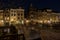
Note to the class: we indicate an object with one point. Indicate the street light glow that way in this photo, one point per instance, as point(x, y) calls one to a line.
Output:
point(22, 22)
point(2, 21)
point(40, 21)
point(49, 21)
point(45, 21)
point(12, 19)
point(27, 21)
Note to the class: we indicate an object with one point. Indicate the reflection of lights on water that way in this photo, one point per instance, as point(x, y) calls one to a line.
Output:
point(5, 30)
point(33, 28)
point(8, 30)
point(19, 31)
point(7, 18)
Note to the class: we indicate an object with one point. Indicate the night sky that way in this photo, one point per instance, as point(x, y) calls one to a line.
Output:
point(53, 4)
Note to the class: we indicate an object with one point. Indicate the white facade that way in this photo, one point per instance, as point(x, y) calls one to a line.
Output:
point(1, 18)
point(16, 15)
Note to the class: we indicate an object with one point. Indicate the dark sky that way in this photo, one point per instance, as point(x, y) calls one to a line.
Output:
point(53, 4)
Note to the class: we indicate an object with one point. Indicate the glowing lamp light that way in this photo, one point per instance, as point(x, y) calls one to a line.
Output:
point(49, 21)
point(8, 18)
point(12, 19)
point(33, 28)
point(45, 21)
point(41, 21)
point(27, 21)
point(17, 21)
point(2, 21)
point(22, 22)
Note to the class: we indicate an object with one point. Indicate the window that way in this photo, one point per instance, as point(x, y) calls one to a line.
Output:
point(18, 17)
point(22, 18)
point(18, 14)
point(5, 15)
point(11, 10)
point(14, 14)
point(8, 15)
point(21, 14)
point(11, 14)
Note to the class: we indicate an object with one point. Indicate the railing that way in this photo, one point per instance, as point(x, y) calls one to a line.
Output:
point(12, 37)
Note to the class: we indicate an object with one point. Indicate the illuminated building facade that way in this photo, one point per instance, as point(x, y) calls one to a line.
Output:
point(6, 16)
point(43, 15)
point(32, 12)
point(12, 16)
point(16, 15)
point(49, 16)
point(1, 18)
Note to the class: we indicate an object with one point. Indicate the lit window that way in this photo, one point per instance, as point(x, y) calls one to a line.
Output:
point(22, 22)
point(40, 21)
point(12, 19)
point(7, 18)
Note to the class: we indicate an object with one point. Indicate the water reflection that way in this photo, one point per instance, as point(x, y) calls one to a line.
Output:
point(10, 33)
